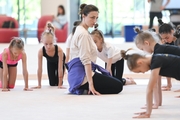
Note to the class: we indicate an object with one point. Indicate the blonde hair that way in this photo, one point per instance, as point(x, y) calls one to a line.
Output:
point(142, 36)
point(131, 59)
point(49, 31)
point(97, 32)
point(17, 42)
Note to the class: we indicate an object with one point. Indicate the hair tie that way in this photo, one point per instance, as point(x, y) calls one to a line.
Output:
point(95, 29)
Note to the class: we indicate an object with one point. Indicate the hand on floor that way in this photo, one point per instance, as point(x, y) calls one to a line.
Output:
point(92, 90)
point(28, 89)
point(153, 107)
point(61, 87)
point(166, 88)
point(37, 87)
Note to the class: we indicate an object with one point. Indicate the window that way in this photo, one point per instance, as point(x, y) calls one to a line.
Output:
point(114, 14)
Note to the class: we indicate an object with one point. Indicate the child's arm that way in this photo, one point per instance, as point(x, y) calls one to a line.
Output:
point(157, 94)
point(149, 94)
point(109, 63)
point(39, 71)
point(5, 72)
point(67, 55)
point(60, 67)
point(25, 72)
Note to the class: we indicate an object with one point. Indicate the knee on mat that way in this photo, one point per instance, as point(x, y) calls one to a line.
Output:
point(119, 88)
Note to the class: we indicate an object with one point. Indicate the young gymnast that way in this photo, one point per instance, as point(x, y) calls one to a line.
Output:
point(55, 59)
point(83, 54)
point(166, 31)
point(148, 42)
point(8, 65)
point(177, 35)
point(111, 56)
point(68, 41)
point(159, 64)
point(168, 36)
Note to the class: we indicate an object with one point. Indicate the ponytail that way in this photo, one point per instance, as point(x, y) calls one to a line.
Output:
point(131, 59)
point(49, 31)
point(123, 53)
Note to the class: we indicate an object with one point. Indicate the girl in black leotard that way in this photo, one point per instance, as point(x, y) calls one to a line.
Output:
point(159, 64)
point(166, 31)
point(148, 41)
point(55, 59)
point(168, 36)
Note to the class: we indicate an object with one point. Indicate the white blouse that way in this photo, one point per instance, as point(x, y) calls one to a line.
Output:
point(110, 51)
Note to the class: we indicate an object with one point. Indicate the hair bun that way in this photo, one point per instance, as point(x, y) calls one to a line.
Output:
point(160, 21)
point(137, 30)
point(50, 27)
point(124, 55)
point(82, 7)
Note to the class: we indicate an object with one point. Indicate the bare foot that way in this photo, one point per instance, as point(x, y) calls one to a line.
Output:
point(154, 106)
point(130, 81)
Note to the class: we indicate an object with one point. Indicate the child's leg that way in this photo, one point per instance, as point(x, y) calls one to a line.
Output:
point(113, 67)
point(169, 85)
point(64, 66)
point(1, 77)
point(119, 73)
point(119, 69)
point(52, 73)
point(12, 77)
